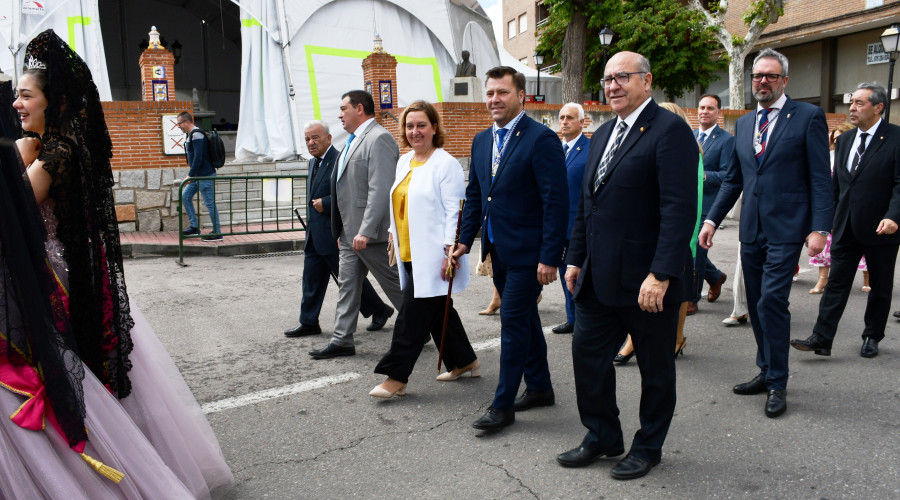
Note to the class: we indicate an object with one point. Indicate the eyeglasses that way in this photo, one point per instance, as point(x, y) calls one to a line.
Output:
point(180, 122)
point(620, 78)
point(771, 77)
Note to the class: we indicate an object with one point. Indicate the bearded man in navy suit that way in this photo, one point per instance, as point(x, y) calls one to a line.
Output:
point(517, 196)
point(628, 262)
point(780, 163)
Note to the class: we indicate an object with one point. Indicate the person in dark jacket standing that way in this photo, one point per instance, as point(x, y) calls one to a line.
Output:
point(198, 158)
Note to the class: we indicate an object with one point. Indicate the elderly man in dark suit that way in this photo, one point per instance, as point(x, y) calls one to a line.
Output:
point(867, 209)
point(320, 251)
point(517, 196)
point(780, 163)
point(360, 193)
point(628, 260)
point(718, 147)
point(576, 146)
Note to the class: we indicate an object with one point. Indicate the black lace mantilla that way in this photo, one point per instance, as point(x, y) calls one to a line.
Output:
point(76, 149)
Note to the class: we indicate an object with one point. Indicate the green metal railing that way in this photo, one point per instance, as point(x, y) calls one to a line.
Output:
point(277, 194)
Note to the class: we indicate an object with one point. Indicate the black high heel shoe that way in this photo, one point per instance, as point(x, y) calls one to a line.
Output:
point(623, 358)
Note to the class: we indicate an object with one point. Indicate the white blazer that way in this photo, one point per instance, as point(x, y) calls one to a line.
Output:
point(432, 206)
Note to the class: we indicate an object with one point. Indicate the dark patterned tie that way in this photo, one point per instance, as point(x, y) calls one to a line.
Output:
point(318, 161)
point(601, 170)
point(566, 150)
point(860, 151)
point(763, 133)
point(702, 138)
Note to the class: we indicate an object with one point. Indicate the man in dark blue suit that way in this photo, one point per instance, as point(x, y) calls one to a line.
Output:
point(867, 209)
point(320, 252)
point(780, 162)
point(517, 196)
point(718, 147)
point(628, 260)
point(575, 147)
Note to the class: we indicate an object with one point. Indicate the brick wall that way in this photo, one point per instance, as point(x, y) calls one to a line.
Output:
point(156, 57)
point(809, 17)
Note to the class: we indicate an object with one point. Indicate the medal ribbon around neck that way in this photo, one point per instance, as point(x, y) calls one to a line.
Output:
point(502, 147)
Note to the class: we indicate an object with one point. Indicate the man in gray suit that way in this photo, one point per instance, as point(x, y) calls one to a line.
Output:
point(360, 186)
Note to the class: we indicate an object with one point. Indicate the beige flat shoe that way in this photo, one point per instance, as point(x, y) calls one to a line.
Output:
point(474, 369)
point(381, 392)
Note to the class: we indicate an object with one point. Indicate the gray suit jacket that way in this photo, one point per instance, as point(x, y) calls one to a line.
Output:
point(360, 199)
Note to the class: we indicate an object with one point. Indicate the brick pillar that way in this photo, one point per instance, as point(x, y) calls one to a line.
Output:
point(157, 66)
point(380, 68)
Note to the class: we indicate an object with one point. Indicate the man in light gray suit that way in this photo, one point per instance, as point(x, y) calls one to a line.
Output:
point(360, 187)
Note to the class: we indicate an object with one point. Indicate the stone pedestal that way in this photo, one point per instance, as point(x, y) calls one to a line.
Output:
point(466, 89)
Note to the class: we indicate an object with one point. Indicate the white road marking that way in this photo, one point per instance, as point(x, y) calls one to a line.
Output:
point(259, 397)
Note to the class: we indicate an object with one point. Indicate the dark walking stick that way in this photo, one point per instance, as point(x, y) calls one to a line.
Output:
point(450, 287)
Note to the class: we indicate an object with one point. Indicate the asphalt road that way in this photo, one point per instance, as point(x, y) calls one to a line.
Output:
point(293, 427)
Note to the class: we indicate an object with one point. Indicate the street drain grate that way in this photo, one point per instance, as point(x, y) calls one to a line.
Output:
point(273, 254)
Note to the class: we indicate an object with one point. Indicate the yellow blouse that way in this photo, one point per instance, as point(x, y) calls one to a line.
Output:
point(400, 212)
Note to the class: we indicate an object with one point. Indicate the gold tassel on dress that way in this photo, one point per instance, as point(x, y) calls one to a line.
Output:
point(104, 470)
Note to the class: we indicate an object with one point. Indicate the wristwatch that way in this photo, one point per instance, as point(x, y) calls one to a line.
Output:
point(660, 276)
point(823, 233)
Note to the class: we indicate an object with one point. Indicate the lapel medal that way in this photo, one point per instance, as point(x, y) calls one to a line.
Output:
point(757, 148)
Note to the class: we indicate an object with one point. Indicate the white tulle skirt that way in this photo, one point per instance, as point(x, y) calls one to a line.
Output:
point(157, 436)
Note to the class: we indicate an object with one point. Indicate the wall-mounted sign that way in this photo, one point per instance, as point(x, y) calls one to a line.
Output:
point(875, 54)
point(385, 88)
point(158, 71)
point(160, 90)
point(172, 136)
point(369, 88)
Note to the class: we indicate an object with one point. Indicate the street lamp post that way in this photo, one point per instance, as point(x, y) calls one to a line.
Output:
point(890, 40)
point(606, 36)
point(538, 60)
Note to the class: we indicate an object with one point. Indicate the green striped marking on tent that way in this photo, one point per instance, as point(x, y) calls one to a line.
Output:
point(312, 50)
point(71, 21)
point(250, 22)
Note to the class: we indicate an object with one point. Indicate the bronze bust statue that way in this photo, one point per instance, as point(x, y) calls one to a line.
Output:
point(465, 68)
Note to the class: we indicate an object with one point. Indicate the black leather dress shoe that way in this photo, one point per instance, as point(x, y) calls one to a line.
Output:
point(776, 403)
point(379, 319)
point(755, 386)
point(896, 314)
point(581, 456)
point(494, 419)
point(623, 358)
point(332, 351)
point(813, 343)
point(532, 399)
point(302, 330)
point(632, 467)
point(869, 348)
point(564, 328)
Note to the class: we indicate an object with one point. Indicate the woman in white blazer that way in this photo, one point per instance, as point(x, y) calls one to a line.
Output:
point(424, 213)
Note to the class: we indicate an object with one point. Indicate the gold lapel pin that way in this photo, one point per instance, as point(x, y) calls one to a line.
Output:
point(518, 132)
point(642, 129)
point(882, 137)
point(789, 115)
point(579, 147)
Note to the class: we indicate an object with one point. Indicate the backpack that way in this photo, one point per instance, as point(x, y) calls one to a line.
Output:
point(215, 148)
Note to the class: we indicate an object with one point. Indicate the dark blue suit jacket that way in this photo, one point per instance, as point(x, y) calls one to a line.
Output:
point(790, 192)
point(574, 174)
point(872, 193)
point(318, 225)
point(717, 153)
point(527, 201)
point(642, 217)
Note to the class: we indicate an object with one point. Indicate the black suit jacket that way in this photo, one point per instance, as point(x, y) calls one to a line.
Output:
point(642, 217)
point(871, 193)
point(318, 225)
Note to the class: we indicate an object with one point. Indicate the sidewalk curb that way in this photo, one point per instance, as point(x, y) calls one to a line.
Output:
point(138, 250)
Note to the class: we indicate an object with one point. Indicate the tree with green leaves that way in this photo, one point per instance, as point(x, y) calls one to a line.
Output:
point(758, 15)
point(675, 40)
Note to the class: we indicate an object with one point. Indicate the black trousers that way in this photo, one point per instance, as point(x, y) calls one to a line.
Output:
point(317, 271)
point(419, 319)
point(845, 255)
point(599, 332)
